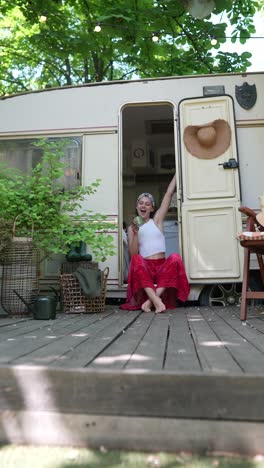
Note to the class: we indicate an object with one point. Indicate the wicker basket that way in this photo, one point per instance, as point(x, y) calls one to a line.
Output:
point(73, 299)
point(20, 273)
point(251, 236)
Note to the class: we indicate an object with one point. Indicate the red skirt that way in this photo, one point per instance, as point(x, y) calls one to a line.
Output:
point(162, 273)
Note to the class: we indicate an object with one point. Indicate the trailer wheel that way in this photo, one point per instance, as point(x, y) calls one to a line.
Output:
point(221, 295)
point(229, 294)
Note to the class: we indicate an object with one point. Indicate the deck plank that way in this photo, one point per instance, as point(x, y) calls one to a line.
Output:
point(132, 393)
point(254, 335)
point(148, 434)
point(213, 355)
point(99, 337)
point(124, 349)
point(181, 351)
point(255, 316)
point(6, 321)
point(256, 323)
point(16, 329)
point(42, 340)
point(188, 339)
point(73, 373)
point(238, 339)
point(150, 353)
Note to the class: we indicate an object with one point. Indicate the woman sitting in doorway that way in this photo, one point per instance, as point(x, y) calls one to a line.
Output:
point(154, 282)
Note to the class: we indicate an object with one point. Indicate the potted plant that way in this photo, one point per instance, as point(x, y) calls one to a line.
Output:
point(58, 219)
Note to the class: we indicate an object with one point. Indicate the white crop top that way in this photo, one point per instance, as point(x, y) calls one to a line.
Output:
point(150, 239)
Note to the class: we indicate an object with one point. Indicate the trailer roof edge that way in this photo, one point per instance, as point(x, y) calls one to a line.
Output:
point(140, 80)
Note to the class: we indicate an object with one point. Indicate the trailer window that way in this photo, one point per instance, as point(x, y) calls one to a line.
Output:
point(23, 155)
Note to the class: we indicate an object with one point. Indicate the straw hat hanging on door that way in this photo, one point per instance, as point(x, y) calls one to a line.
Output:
point(209, 140)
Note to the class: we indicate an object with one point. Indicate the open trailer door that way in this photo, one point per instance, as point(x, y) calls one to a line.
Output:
point(210, 190)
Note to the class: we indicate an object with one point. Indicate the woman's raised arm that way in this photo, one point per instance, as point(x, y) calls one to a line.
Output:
point(165, 204)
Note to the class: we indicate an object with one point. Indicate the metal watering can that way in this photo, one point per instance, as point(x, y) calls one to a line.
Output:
point(43, 307)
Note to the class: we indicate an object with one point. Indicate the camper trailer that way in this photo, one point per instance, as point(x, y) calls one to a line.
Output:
point(131, 135)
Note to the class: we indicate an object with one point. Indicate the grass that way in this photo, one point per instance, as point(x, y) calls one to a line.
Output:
point(58, 457)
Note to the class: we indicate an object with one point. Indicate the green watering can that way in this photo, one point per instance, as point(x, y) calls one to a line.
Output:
point(43, 307)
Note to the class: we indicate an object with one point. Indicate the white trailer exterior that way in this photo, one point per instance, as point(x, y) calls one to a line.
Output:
point(131, 135)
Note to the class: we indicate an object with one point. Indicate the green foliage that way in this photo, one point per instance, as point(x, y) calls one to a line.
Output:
point(22, 456)
point(6, 235)
point(56, 213)
point(65, 50)
point(228, 61)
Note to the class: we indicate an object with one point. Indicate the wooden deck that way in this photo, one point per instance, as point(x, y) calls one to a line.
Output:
point(190, 379)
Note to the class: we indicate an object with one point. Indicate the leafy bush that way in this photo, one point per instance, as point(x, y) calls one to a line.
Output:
point(5, 235)
point(56, 213)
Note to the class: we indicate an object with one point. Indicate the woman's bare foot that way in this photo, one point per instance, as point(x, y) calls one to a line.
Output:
point(159, 306)
point(146, 306)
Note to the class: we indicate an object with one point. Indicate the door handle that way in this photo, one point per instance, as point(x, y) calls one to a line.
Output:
point(230, 164)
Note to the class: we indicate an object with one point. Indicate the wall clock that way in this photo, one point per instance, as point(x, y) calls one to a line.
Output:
point(138, 152)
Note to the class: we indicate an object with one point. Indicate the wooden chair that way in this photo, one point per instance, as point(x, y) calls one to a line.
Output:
point(253, 246)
